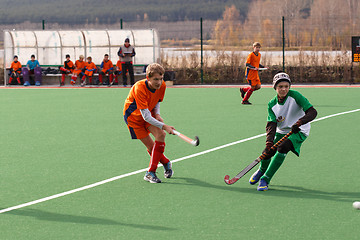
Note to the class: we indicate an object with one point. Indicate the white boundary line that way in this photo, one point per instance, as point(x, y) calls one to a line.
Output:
point(144, 169)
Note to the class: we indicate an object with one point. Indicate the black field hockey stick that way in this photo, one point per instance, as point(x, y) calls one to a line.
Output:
point(254, 163)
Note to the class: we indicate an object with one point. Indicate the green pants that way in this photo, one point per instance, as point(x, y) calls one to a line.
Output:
point(271, 165)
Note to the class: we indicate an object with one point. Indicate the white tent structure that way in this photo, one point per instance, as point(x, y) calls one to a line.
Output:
point(50, 47)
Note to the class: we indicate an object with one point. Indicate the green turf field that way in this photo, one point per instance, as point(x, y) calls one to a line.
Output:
point(56, 140)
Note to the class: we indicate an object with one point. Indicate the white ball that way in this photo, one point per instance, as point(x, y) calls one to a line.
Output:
point(356, 205)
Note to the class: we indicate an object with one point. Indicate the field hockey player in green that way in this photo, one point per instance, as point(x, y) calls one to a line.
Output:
point(287, 111)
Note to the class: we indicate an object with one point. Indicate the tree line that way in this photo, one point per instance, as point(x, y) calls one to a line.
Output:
point(308, 23)
point(111, 11)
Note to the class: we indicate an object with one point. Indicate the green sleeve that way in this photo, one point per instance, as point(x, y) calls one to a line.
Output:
point(271, 115)
point(301, 100)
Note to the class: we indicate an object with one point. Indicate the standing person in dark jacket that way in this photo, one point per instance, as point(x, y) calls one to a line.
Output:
point(126, 53)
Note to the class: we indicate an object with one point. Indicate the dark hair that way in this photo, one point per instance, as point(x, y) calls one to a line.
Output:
point(67, 56)
point(106, 55)
point(15, 56)
point(32, 56)
point(127, 40)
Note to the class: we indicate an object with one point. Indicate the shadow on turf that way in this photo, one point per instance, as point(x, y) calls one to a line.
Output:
point(199, 183)
point(278, 190)
point(67, 218)
point(301, 192)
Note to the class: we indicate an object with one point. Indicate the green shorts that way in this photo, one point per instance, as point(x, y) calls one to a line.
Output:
point(296, 138)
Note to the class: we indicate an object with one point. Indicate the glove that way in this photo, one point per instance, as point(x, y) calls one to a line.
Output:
point(296, 127)
point(268, 147)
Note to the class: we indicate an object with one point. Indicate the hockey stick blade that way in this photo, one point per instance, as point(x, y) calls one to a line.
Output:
point(242, 173)
point(196, 142)
point(254, 163)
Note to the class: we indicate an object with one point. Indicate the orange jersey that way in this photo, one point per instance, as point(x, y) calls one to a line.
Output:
point(141, 97)
point(79, 66)
point(107, 65)
point(118, 65)
point(15, 66)
point(254, 61)
point(89, 66)
point(69, 65)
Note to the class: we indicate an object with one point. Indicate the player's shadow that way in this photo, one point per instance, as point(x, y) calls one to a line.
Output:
point(301, 192)
point(277, 190)
point(198, 183)
point(68, 218)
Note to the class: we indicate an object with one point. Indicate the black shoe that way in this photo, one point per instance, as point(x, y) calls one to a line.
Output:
point(168, 172)
point(246, 102)
point(242, 92)
point(151, 177)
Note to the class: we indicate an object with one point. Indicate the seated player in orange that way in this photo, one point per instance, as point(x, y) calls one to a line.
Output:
point(252, 73)
point(106, 68)
point(117, 72)
point(15, 70)
point(142, 116)
point(90, 68)
point(79, 69)
point(67, 69)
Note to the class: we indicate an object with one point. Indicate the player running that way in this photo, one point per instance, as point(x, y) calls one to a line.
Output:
point(252, 73)
point(142, 116)
point(288, 110)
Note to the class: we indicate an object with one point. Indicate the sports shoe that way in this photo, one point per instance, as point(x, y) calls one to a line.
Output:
point(168, 172)
point(246, 102)
point(83, 83)
point(255, 177)
point(242, 92)
point(26, 83)
point(72, 82)
point(151, 177)
point(263, 185)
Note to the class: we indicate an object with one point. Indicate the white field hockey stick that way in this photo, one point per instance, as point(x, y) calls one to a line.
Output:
point(261, 69)
point(187, 139)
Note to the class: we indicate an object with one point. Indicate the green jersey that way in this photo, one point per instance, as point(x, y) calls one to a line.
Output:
point(287, 113)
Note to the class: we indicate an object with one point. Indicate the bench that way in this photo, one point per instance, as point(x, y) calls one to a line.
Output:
point(48, 78)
